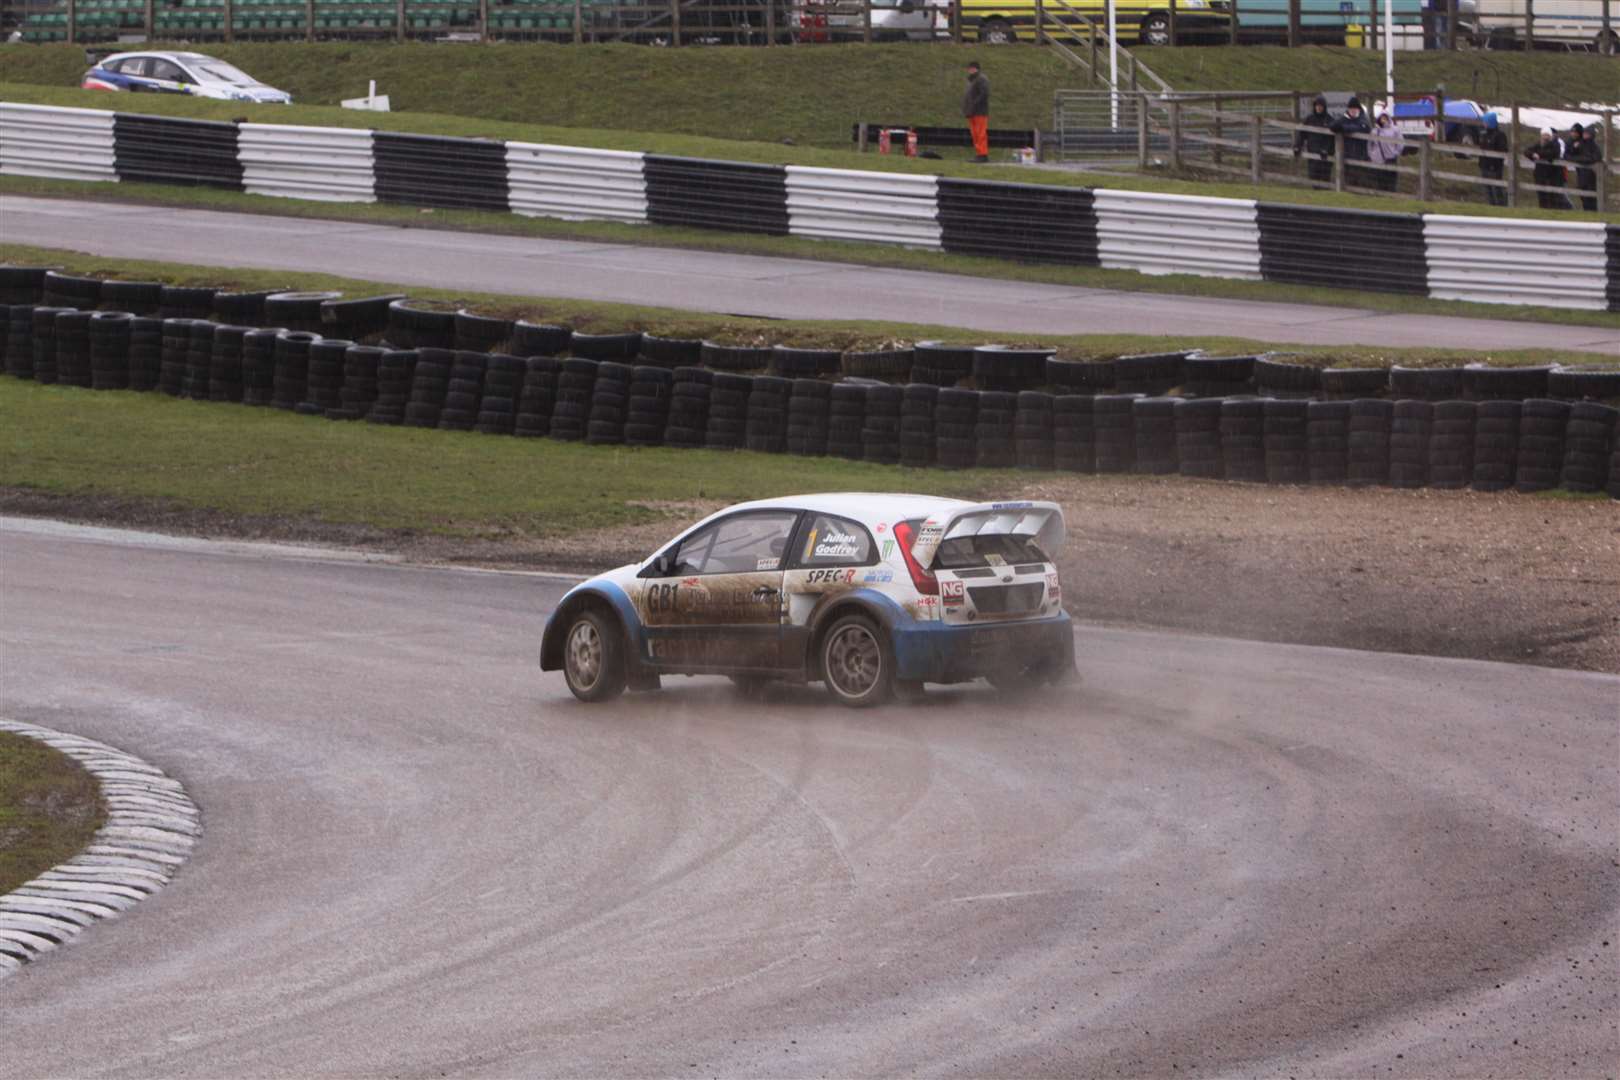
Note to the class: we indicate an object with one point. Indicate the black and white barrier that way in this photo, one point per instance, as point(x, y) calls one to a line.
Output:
point(1551, 263)
point(149, 833)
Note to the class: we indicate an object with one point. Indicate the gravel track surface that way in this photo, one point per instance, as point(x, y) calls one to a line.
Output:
point(420, 856)
point(738, 284)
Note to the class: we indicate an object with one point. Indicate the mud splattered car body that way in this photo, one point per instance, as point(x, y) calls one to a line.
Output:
point(864, 592)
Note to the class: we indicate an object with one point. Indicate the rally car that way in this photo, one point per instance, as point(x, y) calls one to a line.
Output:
point(863, 592)
point(179, 73)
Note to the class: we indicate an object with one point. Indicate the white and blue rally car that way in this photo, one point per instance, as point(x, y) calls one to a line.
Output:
point(864, 592)
point(179, 73)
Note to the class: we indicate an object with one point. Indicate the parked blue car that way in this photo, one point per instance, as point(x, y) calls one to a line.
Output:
point(1416, 119)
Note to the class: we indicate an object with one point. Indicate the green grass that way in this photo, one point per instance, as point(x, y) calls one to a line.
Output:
point(845, 334)
point(1494, 78)
point(49, 809)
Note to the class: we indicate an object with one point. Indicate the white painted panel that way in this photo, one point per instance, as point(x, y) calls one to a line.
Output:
point(1496, 260)
point(1177, 234)
point(61, 143)
point(324, 164)
point(575, 183)
point(848, 204)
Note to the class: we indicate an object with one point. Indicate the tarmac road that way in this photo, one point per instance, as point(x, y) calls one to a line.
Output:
point(737, 284)
point(421, 856)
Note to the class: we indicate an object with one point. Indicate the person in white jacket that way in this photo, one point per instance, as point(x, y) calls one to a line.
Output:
point(1386, 148)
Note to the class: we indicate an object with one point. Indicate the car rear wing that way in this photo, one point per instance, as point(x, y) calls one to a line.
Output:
point(1041, 520)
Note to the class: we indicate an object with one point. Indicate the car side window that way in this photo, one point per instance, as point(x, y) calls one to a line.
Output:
point(740, 544)
point(165, 69)
point(135, 65)
point(835, 541)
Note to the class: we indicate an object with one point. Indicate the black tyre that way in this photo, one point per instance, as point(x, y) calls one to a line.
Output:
point(857, 662)
point(593, 657)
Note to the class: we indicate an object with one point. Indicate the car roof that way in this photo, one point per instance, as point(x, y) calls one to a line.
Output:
point(182, 57)
point(864, 506)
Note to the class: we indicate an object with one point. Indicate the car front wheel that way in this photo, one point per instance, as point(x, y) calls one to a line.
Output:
point(593, 658)
point(857, 662)
point(1156, 30)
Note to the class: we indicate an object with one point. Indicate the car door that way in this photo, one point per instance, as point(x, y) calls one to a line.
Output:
point(167, 76)
point(713, 601)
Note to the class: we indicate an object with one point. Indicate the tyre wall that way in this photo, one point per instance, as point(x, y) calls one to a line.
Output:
point(1503, 260)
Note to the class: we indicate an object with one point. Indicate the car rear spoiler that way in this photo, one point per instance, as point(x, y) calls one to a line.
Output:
point(1041, 520)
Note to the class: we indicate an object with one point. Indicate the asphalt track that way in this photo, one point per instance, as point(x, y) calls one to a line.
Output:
point(420, 856)
point(736, 284)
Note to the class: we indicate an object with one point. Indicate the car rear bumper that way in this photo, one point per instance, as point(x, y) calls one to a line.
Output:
point(939, 653)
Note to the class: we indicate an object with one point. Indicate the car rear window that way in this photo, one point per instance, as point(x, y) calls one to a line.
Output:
point(990, 549)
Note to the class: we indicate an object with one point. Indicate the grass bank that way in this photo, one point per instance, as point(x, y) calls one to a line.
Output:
point(49, 809)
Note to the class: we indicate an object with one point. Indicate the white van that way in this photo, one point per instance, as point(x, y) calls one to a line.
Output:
point(1500, 23)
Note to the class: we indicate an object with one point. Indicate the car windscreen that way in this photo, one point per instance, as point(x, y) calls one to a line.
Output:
point(987, 549)
point(219, 71)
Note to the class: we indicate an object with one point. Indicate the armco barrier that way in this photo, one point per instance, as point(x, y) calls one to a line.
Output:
point(845, 204)
point(717, 194)
point(1517, 261)
point(1357, 249)
point(431, 170)
point(323, 164)
point(63, 144)
point(1027, 222)
point(575, 183)
point(1177, 234)
point(1613, 246)
point(173, 150)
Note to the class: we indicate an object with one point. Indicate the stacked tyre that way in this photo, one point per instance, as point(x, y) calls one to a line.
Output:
point(1588, 443)
point(880, 428)
point(20, 341)
point(917, 405)
point(1198, 437)
point(1409, 433)
point(621, 347)
point(1370, 420)
point(241, 308)
point(258, 365)
point(1327, 441)
point(734, 358)
point(1243, 439)
point(539, 398)
point(791, 363)
point(1088, 377)
point(145, 352)
point(1451, 444)
point(418, 324)
point(355, 320)
point(1482, 382)
point(1287, 452)
point(1540, 462)
point(465, 391)
point(1148, 373)
point(73, 348)
point(1584, 382)
point(1114, 432)
point(1005, 369)
point(766, 429)
point(176, 354)
point(291, 383)
point(807, 417)
point(191, 302)
point(728, 411)
point(22, 285)
point(955, 418)
point(1153, 419)
point(995, 429)
point(482, 333)
point(361, 364)
point(539, 339)
point(670, 353)
point(61, 290)
point(575, 380)
point(939, 364)
point(1217, 376)
point(1425, 384)
point(296, 310)
point(199, 360)
point(225, 377)
point(498, 402)
point(891, 364)
point(1074, 434)
point(396, 370)
point(430, 383)
point(1353, 384)
point(610, 398)
point(43, 341)
point(689, 407)
point(846, 417)
point(1496, 445)
point(1032, 430)
point(647, 413)
point(135, 297)
point(323, 387)
point(109, 349)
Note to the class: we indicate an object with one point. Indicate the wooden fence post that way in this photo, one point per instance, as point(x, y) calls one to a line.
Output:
point(399, 20)
point(860, 139)
point(1425, 152)
point(483, 20)
point(1371, 38)
point(1175, 134)
point(1141, 131)
point(1338, 162)
point(675, 21)
point(1529, 25)
point(1293, 24)
point(1220, 131)
point(579, 22)
point(72, 21)
point(1093, 50)
point(151, 20)
point(230, 17)
point(1233, 25)
point(1040, 20)
point(1173, 33)
point(956, 21)
point(1451, 25)
point(309, 20)
point(770, 21)
point(866, 21)
point(1257, 167)
point(1513, 159)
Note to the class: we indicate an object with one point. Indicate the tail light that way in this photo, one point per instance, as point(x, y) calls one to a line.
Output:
point(904, 533)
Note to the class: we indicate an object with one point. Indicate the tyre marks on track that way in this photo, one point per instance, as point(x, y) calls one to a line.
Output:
point(151, 827)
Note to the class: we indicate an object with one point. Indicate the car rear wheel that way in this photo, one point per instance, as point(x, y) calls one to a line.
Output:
point(997, 32)
point(1156, 29)
point(857, 662)
point(593, 658)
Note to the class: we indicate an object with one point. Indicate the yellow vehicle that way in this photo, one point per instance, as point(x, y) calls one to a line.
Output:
point(1145, 21)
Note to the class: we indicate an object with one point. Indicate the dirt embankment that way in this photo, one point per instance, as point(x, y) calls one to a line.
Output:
point(1491, 577)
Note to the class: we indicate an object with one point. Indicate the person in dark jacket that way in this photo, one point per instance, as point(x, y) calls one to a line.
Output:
point(1351, 124)
point(1586, 154)
point(1491, 137)
point(1549, 173)
point(976, 108)
point(1319, 166)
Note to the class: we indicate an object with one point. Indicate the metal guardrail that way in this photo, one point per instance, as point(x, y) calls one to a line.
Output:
point(322, 164)
point(576, 183)
point(1562, 264)
point(1157, 233)
point(845, 204)
point(59, 143)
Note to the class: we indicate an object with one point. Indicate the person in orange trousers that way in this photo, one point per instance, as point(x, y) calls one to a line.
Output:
point(976, 107)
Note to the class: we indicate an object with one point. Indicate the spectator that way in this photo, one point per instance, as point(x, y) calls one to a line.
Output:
point(1585, 153)
point(1350, 125)
point(1549, 173)
point(1319, 166)
point(976, 107)
point(1386, 148)
point(1491, 137)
